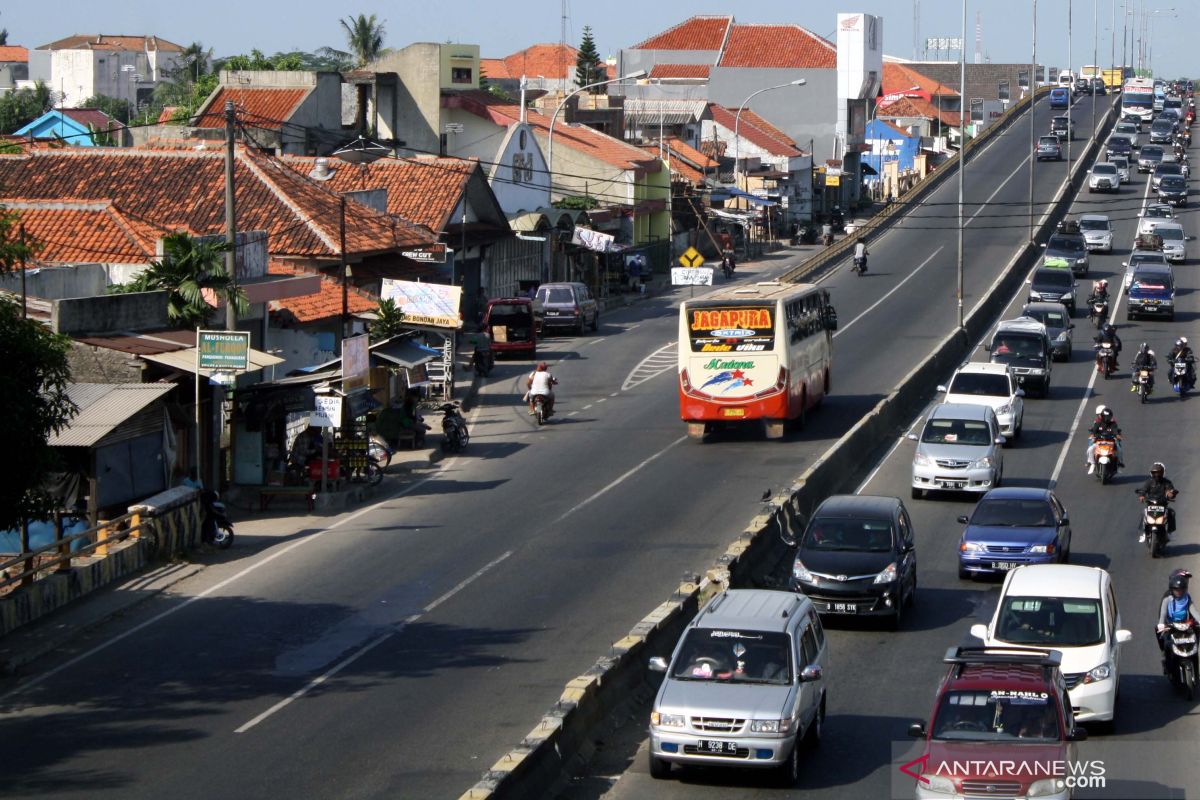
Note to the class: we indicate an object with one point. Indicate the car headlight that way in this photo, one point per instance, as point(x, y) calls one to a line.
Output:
point(667, 720)
point(972, 547)
point(1034, 295)
point(770, 725)
point(801, 573)
point(1070, 295)
point(887, 574)
point(1097, 674)
point(983, 463)
point(1043, 788)
point(1004, 409)
point(1042, 549)
point(1062, 337)
point(922, 460)
point(940, 784)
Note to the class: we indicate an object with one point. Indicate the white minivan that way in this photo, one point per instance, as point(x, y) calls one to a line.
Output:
point(1072, 609)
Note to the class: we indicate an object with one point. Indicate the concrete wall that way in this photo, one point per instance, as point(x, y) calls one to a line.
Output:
point(804, 113)
point(630, 60)
point(110, 313)
point(527, 186)
point(80, 74)
point(91, 364)
point(53, 283)
point(416, 104)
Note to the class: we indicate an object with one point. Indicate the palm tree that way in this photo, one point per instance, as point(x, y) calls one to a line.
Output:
point(196, 59)
point(364, 35)
point(187, 269)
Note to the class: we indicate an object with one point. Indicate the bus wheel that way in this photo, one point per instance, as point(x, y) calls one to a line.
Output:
point(775, 428)
point(696, 430)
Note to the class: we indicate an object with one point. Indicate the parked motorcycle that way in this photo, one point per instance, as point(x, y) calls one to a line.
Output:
point(1182, 379)
point(454, 429)
point(215, 528)
point(1181, 656)
point(1145, 384)
point(1154, 524)
point(1106, 358)
point(1105, 457)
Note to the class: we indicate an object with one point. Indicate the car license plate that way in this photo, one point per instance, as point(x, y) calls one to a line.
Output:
point(842, 608)
point(1004, 565)
point(733, 412)
point(952, 484)
point(717, 746)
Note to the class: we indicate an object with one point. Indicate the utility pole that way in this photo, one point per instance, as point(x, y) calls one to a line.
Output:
point(1124, 42)
point(21, 256)
point(962, 152)
point(230, 218)
point(345, 277)
point(1032, 133)
point(1095, 58)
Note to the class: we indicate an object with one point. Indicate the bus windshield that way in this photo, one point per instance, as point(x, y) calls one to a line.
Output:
point(1138, 100)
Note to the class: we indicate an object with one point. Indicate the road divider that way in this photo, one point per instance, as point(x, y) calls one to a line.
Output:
point(560, 745)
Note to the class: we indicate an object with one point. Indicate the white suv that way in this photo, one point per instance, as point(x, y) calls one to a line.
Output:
point(1072, 609)
point(993, 385)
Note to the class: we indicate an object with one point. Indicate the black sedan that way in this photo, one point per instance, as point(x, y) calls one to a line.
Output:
point(1173, 189)
point(858, 557)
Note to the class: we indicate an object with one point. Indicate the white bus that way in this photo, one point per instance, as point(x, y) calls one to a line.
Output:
point(1137, 98)
point(760, 352)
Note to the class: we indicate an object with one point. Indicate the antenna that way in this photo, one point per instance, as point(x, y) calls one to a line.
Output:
point(916, 29)
point(978, 37)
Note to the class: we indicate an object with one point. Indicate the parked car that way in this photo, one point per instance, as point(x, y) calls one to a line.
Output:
point(1048, 147)
point(1103, 177)
point(1097, 232)
point(1058, 326)
point(1011, 527)
point(959, 449)
point(1151, 291)
point(1071, 609)
point(568, 305)
point(857, 557)
point(1173, 190)
point(744, 687)
point(993, 385)
point(510, 324)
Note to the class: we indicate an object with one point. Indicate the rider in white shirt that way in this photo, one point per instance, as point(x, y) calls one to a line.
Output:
point(541, 382)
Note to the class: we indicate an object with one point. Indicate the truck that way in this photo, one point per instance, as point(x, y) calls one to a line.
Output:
point(1115, 78)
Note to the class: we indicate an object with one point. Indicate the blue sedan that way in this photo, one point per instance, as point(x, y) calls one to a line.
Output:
point(1012, 527)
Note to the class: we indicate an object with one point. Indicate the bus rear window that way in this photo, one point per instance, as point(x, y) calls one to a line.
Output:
point(731, 328)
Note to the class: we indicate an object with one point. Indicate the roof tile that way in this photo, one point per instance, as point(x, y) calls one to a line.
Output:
point(258, 107)
point(701, 32)
point(81, 41)
point(552, 61)
point(326, 302)
point(12, 53)
point(899, 78)
point(90, 116)
point(680, 70)
point(916, 107)
point(495, 68)
point(777, 47)
point(90, 233)
point(747, 129)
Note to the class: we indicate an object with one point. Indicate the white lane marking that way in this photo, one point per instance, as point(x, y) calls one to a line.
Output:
point(573, 413)
point(877, 303)
point(589, 405)
point(368, 647)
point(620, 479)
point(886, 458)
point(602, 399)
point(1087, 395)
point(650, 367)
point(992, 196)
point(631, 327)
point(614, 394)
point(32, 682)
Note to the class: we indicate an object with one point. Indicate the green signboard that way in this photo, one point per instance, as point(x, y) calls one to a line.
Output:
point(223, 350)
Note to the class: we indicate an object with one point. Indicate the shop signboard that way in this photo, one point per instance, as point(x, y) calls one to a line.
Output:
point(222, 350)
point(330, 407)
point(433, 305)
point(356, 362)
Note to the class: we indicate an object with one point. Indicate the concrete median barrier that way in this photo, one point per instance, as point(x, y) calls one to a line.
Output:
point(561, 743)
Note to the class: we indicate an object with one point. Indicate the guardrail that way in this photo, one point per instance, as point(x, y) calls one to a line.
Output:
point(562, 741)
point(99, 539)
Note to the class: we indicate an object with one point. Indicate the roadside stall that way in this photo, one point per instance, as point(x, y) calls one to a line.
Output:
point(432, 311)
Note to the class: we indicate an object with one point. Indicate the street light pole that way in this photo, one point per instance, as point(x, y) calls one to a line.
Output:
point(1032, 133)
point(1070, 66)
point(737, 121)
point(550, 136)
point(962, 153)
point(1095, 58)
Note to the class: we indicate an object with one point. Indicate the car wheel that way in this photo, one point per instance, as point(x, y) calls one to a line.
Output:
point(596, 321)
point(812, 737)
point(789, 771)
point(917, 494)
point(659, 768)
point(1019, 427)
point(912, 592)
point(581, 328)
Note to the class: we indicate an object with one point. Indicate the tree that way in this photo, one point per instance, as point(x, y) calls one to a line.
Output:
point(3, 36)
point(115, 107)
point(588, 66)
point(34, 387)
point(188, 268)
point(19, 108)
point(390, 320)
point(364, 35)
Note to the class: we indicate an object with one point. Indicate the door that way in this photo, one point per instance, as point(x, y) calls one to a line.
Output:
point(811, 691)
point(908, 556)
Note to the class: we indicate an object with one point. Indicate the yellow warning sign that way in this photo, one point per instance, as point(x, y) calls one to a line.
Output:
point(691, 258)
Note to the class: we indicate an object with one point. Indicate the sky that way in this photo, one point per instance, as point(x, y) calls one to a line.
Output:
point(501, 28)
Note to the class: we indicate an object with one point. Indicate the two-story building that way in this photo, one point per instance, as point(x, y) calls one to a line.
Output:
point(127, 68)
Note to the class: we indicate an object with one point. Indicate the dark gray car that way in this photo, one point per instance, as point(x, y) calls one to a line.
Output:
point(568, 305)
point(1052, 285)
point(1058, 326)
point(1072, 248)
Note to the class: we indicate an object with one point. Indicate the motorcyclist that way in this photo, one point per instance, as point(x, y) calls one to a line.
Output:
point(1145, 359)
point(1108, 334)
point(860, 255)
point(541, 382)
point(1176, 606)
point(1099, 292)
point(1104, 426)
point(1158, 489)
point(1183, 350)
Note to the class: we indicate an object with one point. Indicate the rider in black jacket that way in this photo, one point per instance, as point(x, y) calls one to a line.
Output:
point(1184, 351)
point(1158, 489)
point(1145, 359)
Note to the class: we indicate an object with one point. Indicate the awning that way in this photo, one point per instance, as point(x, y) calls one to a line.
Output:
point(103, 407)
point(405, 353)
point(185, 360)
point(529, 222)
point(726, 193)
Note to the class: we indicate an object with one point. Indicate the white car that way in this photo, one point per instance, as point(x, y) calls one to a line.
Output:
point(1103, 177)
point(1122, 165)
point(1071, 609)
point(1097, 232)
point(994, 385)
point(1153, 215)
point(1174, 241)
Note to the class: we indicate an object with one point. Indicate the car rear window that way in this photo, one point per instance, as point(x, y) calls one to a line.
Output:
point(502, 309)
point(1051, 319)
point(1069, 243)
point(1152, 283)
point(981, 384)
point(1053, 277)
point(1152, 151)
point(1104, 169)
point(839, 533)
point(956, 431)
point(1017, 346)
point(999, 715)
point(1066, 622)
point(1173, 182)
point(1169, 234)
point(557, 294)
point(1049, 140)
point(734, 656)
point(1094, 224)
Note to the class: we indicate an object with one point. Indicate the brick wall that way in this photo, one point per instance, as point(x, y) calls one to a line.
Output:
point(982, 79)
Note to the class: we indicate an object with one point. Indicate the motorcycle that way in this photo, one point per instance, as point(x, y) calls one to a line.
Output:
point(541, 408)
point(454, 429)
point(216, 528)
point(1182, 380)
point(808, 235)
point(827, 240)
point(1098, 313)
point(1154, 524)
point(483, 360)
point(1106, 358)
point(1144, 380)
point(1105, 457)
point(860, 265)
point(727, 266)
point(1180, 649)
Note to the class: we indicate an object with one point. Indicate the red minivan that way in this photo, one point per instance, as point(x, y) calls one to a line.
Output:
point(510, 324)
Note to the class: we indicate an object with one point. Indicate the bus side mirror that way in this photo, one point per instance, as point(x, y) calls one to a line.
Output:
point(831, 319)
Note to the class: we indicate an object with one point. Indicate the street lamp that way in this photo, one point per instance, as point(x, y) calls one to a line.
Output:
point(737, 121)
point(640, 73)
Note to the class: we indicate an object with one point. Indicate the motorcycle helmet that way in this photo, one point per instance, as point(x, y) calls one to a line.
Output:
point(1178, 580)
point(1106, 415)
point(1102, 284)
point(1150, 353)
point(1144, 348)
point(1100, 409)
point(1157, 469)
point(1110, 329)
point(1179, 342)
point(1182, 341)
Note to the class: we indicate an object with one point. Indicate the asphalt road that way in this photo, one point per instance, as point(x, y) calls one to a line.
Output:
point(400, 650)
point(881, 681)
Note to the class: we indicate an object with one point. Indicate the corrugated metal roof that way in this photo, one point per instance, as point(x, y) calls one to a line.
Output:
point(102, 408)
point(673, 112)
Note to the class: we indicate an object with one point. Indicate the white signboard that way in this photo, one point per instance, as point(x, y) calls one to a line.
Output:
point(433, 305)
point(691, 276)
point(330, 407)
point(592, 240)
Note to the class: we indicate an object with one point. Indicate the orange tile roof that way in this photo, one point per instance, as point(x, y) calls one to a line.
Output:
point(423, 190)
point(901, 78)
point(100, 41)
point(777, 47)
point(916, 107)
point(10, 53)
point(552, 61)
point(257, 107)
point(164, 117)
point(326, 302)
point(680, 70)
point(72, 233)
point(758, 122)
point(682, 149)
point(701, 32)
point(896, 128)
point(185, 190)
point(748, 130)
point(686, 162)
point(495, 68)
point(580, 138)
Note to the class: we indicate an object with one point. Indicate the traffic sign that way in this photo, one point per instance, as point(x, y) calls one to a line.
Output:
point(692, 277)
point(691, 258)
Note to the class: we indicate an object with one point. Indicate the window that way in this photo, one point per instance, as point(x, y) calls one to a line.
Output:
point(808, 647)
point(815, 626)
point(906, 537)
point(461, 75)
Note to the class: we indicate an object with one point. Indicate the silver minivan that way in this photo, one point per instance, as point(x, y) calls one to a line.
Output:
point(959, 450)
point(744, 687)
